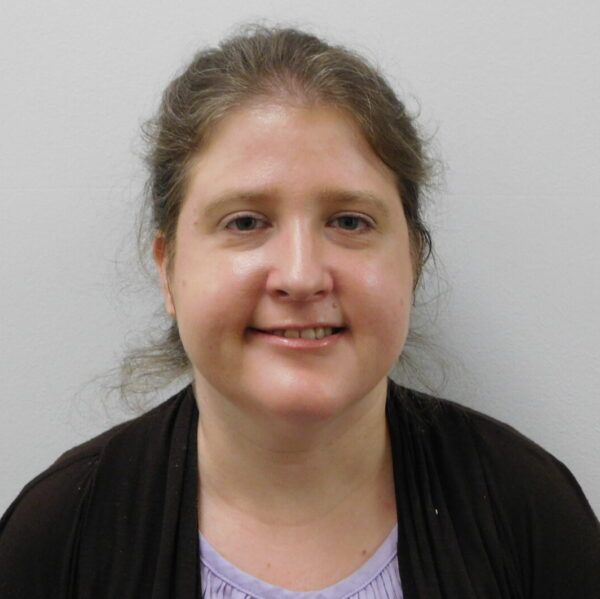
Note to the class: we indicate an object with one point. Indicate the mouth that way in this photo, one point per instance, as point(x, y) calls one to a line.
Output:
point(318, 333)
point(291, 340)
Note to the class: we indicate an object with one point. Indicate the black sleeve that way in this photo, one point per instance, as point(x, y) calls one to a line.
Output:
point(547, 522)
point(39, 533)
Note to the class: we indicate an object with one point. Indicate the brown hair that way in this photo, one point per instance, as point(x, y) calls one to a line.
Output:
point(265, 62)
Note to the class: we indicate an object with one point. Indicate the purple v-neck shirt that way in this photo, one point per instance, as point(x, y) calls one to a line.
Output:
point(377, 578)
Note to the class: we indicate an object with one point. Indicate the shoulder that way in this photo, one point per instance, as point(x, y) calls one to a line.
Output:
point(499, 446)
point(126, 433)
point(505, 454)
point(539, 509)
point(40, 530)
point(80, 461)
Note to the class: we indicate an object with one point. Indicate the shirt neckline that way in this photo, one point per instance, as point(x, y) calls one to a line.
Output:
point(347, 587)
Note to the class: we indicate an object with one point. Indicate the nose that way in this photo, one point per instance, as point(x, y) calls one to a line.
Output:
point(299, 271)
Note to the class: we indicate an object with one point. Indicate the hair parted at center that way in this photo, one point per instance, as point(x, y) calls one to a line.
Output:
point(271, 63)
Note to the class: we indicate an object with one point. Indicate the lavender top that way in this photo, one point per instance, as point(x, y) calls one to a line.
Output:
point(377, 578)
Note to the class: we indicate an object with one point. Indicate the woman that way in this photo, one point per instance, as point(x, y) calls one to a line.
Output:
point(285, 189)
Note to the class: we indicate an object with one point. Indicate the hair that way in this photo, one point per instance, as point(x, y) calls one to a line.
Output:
point(254, 64)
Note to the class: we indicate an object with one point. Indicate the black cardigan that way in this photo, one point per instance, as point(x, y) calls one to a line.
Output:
point(483, 512)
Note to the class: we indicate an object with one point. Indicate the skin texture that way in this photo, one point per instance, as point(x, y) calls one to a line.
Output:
point(293, 445)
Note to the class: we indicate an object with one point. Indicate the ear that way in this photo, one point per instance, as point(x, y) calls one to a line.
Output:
point(159, 251)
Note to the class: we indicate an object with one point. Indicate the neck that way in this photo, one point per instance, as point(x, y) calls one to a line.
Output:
point(295, 475)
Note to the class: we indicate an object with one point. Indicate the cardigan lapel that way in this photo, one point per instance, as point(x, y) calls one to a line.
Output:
point(141, 532)
point(418, 574)
point(448, 543)
point(178, 567)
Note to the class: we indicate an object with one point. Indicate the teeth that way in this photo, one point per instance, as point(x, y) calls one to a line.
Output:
point(310, 333)
point(305, 333)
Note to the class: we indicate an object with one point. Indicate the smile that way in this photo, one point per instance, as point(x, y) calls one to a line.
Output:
point(300, 339)
point(317, 333)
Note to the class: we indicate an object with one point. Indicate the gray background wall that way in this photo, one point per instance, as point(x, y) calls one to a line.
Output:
point(511, 91)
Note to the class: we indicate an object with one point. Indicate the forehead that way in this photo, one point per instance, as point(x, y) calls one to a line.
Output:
point(275, 142)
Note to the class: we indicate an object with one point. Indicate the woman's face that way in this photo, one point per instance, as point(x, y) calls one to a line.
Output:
point(290, 220)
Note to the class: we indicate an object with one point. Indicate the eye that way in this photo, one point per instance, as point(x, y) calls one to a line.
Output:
point(245, 222)
point(348, 220)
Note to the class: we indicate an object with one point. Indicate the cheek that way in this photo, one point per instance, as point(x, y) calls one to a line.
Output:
point(213, 298)
point(385, 301)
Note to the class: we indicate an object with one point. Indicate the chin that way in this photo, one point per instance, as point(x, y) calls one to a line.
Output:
point(305, 401)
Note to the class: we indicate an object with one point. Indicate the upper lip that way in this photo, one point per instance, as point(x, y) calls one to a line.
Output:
point(298, 327)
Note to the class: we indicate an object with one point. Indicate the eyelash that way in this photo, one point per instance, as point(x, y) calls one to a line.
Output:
point(368, 224)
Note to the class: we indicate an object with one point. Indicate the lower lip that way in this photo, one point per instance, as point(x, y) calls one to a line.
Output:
point(298, 343)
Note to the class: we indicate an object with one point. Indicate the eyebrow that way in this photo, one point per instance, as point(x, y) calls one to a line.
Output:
point(326, 196)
